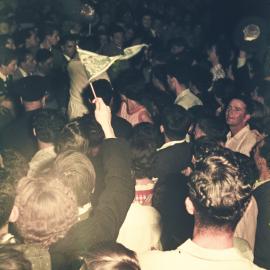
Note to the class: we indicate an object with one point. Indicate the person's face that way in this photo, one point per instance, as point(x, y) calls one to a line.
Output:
point(47, 66)
point(147, 21)
point(171, 83)
point(54, 38)
point(212, 54)
point(118, 39)
point(198, 133)
point(103, 40)
point(70, 48)
point(32, 41)
point(236, 114)
point(10, 44)
point(11, 67)
point(175, 50)
point(30, 63)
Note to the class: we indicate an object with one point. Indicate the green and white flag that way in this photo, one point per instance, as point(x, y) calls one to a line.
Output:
point(95, 64)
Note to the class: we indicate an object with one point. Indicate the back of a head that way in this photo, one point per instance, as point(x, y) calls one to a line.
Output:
point(143, 144)
point(76, 171)
point(13, 259)
point(213, 128)
point(6, 56)
point(131, 84)
point(217, 188)
point(14, 164)
point(32, 88)
point(7, 197)
point(72, 137)
point(104, 90)
point(181, 71)
point(47, 210)
point(175, 121)
point(264, 150)
point(48, 124)
point(43, 55)
point(224, 89)
point(111, 256)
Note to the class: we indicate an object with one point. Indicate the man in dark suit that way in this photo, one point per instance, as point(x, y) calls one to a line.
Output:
point(171, 188)
point(18, 134)
point(175, 154)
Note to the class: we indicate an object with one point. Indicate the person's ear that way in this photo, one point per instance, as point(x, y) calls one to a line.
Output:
point(189, 206)
point(247, 117)
point(14, 215)
point(43, 101)
point(161, 128)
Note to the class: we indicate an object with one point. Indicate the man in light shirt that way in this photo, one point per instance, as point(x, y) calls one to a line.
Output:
point(178, 76)
point(240, 138)
point(218, 197)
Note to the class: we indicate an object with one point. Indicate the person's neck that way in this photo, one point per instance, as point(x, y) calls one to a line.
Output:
point(213, 238)
point(264, 173)
point(236, 129)
point(132, 106)
point(4, 230)
point(46, 45)
point(33, 105)
point(3, 71)
point(43, 145)
point(180, 89)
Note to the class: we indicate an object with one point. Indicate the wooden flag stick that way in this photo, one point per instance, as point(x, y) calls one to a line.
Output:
point(93, 91)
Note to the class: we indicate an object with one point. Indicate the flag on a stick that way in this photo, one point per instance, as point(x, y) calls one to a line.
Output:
point(95, 64)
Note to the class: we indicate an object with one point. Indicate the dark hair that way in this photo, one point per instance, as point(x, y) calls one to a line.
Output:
point(7, 197)
point(103, 89)
point(22, 54)
point(67, 38)
point(13, 259)
point(213, 128)
point(14, 164)
point(43, 55)
point(131, 84)
point(180, 71)
point(218, 189)
point(48, 124)
point(6, 56)
point(247, 101)
point(176, 122)
point(201, 78)
point(72, 137)
point(264, 92)
point(111, 256)
point(224, 89)
point(264, 150)
point(116, 29)
point(93, 130)
point(47, 30)
point(143, 144)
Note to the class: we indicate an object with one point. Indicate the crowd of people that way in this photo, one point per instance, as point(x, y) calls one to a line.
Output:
point(160, 162)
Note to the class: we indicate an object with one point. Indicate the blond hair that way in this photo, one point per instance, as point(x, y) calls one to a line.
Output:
point(47, 210)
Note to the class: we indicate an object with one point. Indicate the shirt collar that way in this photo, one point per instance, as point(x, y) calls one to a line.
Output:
point(84, 211)
point(3, 77)
point(182, 94)
point(239, 134)
point(209, 254)
point(171, 143)
point(24, 73)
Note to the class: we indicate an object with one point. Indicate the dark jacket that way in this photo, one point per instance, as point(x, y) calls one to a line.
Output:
point(262, 240)
point(172, 160)
point(108, 216)
point(18, 135)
